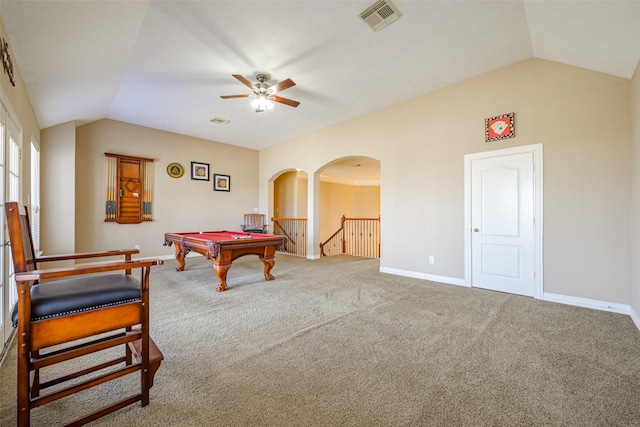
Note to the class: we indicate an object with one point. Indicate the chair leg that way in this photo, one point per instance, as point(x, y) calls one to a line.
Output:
point(24, 377)
point(144, 384)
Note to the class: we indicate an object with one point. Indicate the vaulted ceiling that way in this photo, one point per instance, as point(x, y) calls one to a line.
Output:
point(165, 64)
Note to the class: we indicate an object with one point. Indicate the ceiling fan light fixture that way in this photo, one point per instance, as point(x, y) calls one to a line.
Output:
point(261, 103)
point(264, 95)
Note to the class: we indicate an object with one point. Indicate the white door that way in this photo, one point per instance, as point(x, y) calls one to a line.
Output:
point(502, 223)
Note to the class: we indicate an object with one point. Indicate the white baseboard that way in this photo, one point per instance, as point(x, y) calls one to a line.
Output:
point(635, 318)
point(424, 276)
point(587, 303)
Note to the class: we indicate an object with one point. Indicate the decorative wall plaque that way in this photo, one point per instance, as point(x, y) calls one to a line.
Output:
point(499, 127)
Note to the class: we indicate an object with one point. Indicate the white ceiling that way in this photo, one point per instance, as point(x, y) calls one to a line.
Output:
point(353, 170)
point(164, 64)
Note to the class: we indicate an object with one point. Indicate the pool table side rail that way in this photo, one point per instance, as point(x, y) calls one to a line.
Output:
point(211, 249)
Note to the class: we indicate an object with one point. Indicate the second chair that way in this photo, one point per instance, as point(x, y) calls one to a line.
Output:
point(254, 223)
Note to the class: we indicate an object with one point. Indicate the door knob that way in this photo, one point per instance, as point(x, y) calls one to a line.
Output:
point(475, 230)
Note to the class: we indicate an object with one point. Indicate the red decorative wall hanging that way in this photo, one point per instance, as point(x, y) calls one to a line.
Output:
point(499, 127)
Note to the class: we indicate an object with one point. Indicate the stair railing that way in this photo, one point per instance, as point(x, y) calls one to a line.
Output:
point(356, 236)
point(295, 230)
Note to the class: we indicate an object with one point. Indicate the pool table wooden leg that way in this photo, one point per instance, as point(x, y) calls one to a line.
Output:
point(268, 258)
point(180, 253)
point(268, 265)
point(221, 272)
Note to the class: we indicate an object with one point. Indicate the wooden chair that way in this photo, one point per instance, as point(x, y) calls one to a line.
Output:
point(61, 305)
point(254, 223)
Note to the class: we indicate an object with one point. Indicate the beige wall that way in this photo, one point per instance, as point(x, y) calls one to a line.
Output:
point(335, 200)
point(285, 195)
point(290, 195)
point(302, 182)
point(58, 189)
point(179, 204)
point(635, 197)
point(21, 105)
point(582, 119)
point(366, 201)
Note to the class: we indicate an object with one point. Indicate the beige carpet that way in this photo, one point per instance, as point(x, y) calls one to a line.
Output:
point(333, 342)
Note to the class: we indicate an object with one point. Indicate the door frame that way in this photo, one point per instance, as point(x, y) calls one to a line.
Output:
point(536, 150)
point(7, 271)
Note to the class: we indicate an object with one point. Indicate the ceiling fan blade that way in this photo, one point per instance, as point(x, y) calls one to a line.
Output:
point(279, 87)
point(234, 96)
point(244, 81)
point(286, 101)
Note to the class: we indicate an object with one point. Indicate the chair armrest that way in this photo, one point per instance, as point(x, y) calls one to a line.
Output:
point(81, 269)
point(82, 255)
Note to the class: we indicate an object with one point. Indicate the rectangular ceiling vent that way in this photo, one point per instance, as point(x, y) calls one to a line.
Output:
point(219, 121)
point(380, 14)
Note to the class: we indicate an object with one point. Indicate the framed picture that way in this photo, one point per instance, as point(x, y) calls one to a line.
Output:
point(200, 171)
point(175, 170)
point(499, 127)
point(221, 182)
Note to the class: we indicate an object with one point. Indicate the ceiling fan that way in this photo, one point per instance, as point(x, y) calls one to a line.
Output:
point(264, 93)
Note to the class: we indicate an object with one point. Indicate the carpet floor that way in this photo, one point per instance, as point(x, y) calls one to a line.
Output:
point(334, 342)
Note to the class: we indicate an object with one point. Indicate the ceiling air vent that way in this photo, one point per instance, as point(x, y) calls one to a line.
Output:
point(380, 14)
point(219, 121)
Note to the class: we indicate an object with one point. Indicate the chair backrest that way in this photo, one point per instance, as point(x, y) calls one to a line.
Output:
point(254, 220)
point(22, 250)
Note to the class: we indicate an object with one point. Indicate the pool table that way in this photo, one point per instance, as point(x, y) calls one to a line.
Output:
point(223, 247)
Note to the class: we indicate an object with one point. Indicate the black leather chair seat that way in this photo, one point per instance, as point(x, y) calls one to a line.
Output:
point(75, 295)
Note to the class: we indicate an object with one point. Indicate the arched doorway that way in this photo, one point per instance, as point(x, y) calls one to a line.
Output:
point(289, 209)
point(349, 207)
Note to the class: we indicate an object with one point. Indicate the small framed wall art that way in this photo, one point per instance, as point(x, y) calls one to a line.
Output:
point(175, 170)
point(221, 182)
point(499, 127)
point(200, 171)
